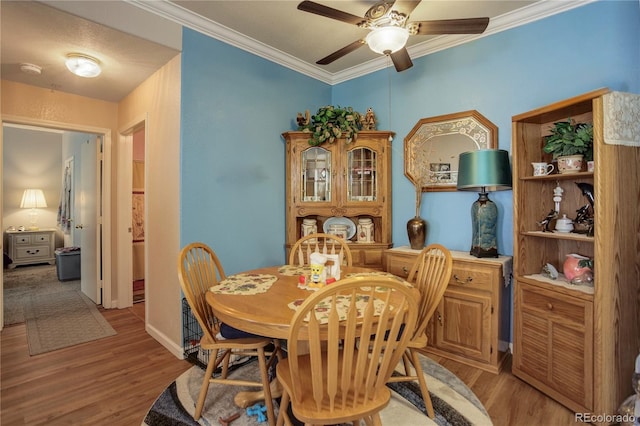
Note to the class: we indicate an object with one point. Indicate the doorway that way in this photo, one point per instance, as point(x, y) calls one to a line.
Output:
point(63, 165)
point(99, 250)
point(132, 250)
point(138, 215)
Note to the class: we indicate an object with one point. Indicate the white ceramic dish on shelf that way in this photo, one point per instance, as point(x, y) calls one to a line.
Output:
point(351, 227)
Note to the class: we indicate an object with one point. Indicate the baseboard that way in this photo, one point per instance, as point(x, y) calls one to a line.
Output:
point(171, 346)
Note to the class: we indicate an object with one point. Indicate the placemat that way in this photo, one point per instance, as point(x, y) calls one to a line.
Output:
point(245, 284)
point(291, 270)
point(342, 303)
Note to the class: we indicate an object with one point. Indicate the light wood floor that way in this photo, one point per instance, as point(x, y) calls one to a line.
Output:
point(508, 400)
point(114, 381)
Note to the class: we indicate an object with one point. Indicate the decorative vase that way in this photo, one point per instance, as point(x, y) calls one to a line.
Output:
point(570, 163)
point(417, 231)
point(575, 269)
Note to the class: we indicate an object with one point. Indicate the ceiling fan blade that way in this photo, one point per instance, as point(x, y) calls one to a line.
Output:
point(340, 53)
point(405, 7)
point(401, 59)
point(329, 12)
point(452, 26)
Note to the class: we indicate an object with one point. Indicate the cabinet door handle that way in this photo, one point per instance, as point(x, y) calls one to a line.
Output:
point(405, 270)
point(550, 306)
point(33, 251)
point(459, 281)
point(439, 318)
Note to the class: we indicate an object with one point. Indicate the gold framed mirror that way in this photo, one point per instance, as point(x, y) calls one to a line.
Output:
point(432, 147)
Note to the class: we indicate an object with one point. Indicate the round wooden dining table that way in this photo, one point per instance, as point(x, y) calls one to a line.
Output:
point(263, 301)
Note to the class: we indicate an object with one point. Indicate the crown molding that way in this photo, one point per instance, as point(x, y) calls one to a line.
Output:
point(175, 13)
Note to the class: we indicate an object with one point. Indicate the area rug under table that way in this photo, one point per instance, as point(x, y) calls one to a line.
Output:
point(58, 320)
point(454, 403)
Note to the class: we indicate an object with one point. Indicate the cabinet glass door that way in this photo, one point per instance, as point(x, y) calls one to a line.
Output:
point(362, 175)
point(316, 175)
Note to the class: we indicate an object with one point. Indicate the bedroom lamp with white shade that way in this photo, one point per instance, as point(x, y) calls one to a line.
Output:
point(33, 199)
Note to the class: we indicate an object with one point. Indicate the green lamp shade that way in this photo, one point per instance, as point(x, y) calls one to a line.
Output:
point(482, 171)
point(487, 168)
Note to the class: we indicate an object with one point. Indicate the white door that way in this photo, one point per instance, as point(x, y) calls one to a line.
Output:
point(89, 222)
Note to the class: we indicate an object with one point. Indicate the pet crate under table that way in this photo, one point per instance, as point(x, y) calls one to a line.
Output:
point(192, 333)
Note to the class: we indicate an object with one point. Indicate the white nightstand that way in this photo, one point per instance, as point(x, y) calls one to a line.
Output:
point(31, 247)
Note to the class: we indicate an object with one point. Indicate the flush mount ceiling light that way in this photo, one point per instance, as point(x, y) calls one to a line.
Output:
point(32, 69)
point(387, 40)
point(83, 65)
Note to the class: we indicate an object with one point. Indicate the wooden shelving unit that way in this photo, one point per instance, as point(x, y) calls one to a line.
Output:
point(577, 344)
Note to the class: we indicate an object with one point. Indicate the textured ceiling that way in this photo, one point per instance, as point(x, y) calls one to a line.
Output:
point(38, 34)
point(134, 38)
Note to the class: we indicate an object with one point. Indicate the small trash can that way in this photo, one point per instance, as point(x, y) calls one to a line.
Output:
point(68, 263)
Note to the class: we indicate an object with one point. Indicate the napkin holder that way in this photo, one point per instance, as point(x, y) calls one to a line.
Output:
point(332, 266)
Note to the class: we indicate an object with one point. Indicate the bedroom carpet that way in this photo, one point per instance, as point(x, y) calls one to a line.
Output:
point(22, 282)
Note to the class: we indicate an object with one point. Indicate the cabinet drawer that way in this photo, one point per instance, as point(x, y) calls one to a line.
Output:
point(473, 276)
point(40, 238)
point(399, 265)
point(32, 252)
point(22, 239)
point(547, 304)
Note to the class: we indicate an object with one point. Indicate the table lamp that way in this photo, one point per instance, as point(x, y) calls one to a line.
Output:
point(33, 199)
point(482, 171)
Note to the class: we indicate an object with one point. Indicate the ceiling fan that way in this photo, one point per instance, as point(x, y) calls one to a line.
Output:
point(390, 28)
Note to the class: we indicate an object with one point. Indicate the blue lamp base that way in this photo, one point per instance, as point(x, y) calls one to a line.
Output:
point(484, 219)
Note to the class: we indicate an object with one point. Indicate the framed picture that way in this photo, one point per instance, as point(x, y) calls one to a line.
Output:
point(432, 148)
point(138, 216)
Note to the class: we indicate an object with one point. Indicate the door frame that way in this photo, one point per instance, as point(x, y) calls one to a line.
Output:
point(105, 255)
point(125, 215)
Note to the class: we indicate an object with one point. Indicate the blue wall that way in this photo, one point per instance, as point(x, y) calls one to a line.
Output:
point(236, 105)
point(234, 108)
point(500, 76)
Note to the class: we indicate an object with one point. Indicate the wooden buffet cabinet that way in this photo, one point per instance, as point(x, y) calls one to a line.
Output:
point(467, 326)
point(342, 183)
point(576, 343)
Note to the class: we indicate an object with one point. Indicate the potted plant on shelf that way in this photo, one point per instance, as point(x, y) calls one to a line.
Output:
point(570, 143)
point(331, 123)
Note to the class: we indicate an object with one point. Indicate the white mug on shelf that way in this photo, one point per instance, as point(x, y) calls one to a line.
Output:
point(542, 169)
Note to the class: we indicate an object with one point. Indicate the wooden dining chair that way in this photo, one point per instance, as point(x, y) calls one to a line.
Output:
point(320, 243)
point(199, 269)
point(430, 274)
point(339, 359)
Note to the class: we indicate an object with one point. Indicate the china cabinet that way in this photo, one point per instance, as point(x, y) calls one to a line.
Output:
point(468, 324)
point(339, 184)
point(577, 342)
point(31, 247)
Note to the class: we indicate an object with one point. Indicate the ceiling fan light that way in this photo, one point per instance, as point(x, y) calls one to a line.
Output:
point(387, 40)
point(83, 65)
